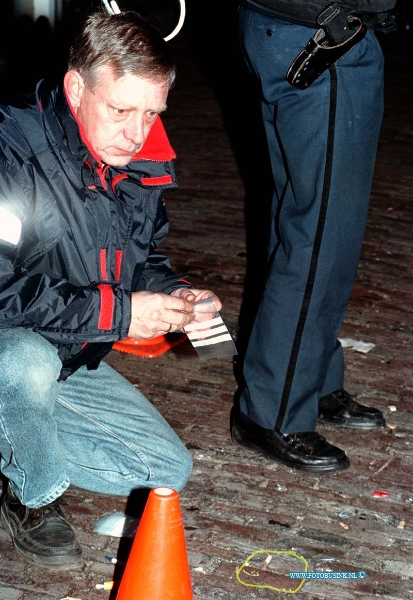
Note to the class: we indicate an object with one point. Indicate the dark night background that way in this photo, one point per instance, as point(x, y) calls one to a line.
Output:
point(30, 51)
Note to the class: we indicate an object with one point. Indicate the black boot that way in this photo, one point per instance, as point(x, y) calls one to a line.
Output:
point(306, 451)
point(340, 409)
point(41, 535)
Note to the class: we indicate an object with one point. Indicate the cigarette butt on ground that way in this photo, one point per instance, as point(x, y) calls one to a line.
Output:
point(267, 561)
point(107, 585)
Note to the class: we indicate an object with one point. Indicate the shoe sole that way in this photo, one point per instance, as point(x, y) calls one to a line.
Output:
point(312, 470)
point(57, 563)
point(351, 425)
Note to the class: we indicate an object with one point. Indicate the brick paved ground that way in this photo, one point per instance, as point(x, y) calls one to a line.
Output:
point(236, 501)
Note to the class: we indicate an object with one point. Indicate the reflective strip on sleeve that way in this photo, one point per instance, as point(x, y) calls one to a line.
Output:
point(10, 227)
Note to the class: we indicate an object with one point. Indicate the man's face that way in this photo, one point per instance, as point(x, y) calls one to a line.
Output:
point(117, 114)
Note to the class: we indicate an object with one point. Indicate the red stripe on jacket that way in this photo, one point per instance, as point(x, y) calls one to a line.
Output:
point(157, 180)
point(107, 306)
point(103, 267)
point(118, 264)
point(107, 297)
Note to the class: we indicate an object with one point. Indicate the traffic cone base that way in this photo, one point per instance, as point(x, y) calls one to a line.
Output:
point(157, 567)
point(150, 348)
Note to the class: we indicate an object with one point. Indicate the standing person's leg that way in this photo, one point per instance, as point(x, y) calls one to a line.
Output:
point(359, 83)
point(349, 140)
point(337, 407)
point(317, 138)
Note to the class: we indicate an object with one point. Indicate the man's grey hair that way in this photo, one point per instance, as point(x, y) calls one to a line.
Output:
point(126, 43)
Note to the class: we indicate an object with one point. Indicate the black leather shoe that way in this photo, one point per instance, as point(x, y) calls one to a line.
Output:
point(41, 535)
point(308, 452)
point(340, 409)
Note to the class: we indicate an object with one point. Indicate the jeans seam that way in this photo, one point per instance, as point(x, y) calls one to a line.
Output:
point(50, 496)
point(12, 459)
point(101, 426)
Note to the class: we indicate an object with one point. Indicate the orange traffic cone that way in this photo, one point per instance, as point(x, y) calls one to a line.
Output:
point(151, 348)
point(157, 567)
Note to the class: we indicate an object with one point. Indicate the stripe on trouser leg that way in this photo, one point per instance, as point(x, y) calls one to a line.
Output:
point(315, 254)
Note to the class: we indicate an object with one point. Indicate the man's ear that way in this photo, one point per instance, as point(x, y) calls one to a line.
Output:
point(74, 87)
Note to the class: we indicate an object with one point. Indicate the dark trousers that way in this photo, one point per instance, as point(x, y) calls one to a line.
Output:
point(322, 143)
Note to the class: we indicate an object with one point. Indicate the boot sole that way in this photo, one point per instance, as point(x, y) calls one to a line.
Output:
point(55, 562)
point(348, 424)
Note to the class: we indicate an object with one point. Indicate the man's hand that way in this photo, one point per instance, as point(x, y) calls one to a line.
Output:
point(157, 314)
point(203, 312)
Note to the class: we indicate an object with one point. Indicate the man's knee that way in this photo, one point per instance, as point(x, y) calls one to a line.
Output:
point(27, 361)
point(179, 476)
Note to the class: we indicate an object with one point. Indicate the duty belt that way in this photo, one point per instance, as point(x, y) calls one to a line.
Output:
point(339, 32)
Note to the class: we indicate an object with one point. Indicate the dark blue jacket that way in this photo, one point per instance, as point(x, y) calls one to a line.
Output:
point(89, 232)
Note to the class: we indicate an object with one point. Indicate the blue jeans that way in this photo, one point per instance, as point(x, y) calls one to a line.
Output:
point(322, 145)
point(95, 430)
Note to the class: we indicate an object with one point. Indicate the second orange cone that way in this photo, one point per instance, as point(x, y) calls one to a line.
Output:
point(157, 567)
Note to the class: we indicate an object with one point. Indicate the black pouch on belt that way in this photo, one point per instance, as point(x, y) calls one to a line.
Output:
point(339, 32)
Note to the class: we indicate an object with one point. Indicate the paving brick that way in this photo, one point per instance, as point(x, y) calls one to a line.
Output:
point(10, 594)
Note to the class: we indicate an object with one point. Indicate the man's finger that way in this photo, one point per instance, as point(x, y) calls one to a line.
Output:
point(178, 304)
